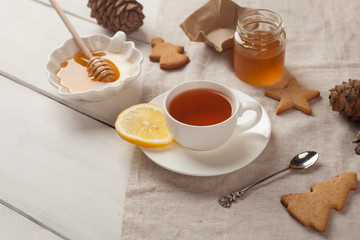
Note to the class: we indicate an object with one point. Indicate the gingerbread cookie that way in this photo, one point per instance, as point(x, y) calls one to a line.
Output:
point(312, 209)
point(293, 97)
point(167, 54)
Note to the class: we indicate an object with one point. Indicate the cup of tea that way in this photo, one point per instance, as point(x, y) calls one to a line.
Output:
point(203, 115)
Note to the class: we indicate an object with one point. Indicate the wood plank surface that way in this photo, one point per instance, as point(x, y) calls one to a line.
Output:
point(145, 32)
point(62, 168)
point(33, 32)
point(14, 226)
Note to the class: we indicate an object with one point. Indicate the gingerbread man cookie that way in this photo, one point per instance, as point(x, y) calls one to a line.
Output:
point(167, 54)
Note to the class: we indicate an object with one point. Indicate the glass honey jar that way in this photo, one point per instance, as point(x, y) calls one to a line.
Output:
point(259, 47)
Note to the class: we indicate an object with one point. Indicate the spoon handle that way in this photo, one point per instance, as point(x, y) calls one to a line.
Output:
point(232, 197)
point(72, 30)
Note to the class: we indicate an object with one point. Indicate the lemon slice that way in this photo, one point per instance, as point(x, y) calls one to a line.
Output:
point(144, 125)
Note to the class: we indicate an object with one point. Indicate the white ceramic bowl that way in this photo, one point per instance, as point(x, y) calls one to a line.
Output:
point(116, 44)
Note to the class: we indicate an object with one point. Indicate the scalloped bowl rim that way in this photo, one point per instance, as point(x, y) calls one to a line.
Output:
point(110, 89)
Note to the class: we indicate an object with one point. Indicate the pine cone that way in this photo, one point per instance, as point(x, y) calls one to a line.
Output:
point(357, 141)
point(117, 15)
point(345, 99)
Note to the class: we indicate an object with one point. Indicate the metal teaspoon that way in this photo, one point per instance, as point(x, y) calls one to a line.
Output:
point(300, 161)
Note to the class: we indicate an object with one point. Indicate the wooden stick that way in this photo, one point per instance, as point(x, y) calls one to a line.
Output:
point(72, 30)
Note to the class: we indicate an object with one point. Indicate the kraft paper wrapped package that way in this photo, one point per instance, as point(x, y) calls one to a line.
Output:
point(214, 24)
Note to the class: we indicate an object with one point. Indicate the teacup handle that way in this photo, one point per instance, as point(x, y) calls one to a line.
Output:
point(245, 106)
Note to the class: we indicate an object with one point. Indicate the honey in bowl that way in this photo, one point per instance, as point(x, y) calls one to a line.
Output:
point(201, 107)
point(73, 73)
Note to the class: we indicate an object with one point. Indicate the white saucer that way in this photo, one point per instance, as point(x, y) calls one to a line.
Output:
point(236, 153)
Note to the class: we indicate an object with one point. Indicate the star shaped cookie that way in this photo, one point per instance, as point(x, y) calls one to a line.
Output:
point(292, 97)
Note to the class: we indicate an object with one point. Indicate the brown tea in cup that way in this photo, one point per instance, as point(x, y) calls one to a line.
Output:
point(203, 115)
point(201, 107)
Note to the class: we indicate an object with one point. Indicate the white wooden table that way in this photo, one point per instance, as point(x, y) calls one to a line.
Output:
point(64, 169)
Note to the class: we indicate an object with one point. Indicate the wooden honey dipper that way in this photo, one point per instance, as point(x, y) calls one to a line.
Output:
point(97, 67)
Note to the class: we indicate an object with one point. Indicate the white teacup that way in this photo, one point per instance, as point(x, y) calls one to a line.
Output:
point(208, 136)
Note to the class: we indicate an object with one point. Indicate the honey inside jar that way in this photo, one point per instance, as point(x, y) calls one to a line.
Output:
point(73, 73)
point(259, 48)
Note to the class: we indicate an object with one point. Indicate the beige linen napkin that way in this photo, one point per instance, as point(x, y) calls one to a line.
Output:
point(322, 51)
